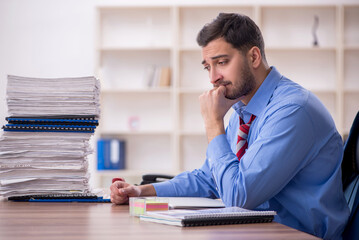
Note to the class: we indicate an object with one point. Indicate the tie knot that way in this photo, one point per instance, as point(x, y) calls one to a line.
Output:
point(250, 120)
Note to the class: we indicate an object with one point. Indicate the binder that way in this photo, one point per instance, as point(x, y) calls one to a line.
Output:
point(48, 128)
point(55, 120)
point(110, 154)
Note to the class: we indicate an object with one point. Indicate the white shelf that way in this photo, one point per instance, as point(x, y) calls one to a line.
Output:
point(154, 90)
point(351, 64)
point(196, 91)
point(301, 48)
point(351, 20)
point(169, 136)
point(135, 133)
point(311, 68)
point(192, 133)
point(296, 23)
point(134, 48)
point(136, 27)
point(192, 19)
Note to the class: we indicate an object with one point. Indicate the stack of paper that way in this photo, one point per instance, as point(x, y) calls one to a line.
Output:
point(45, 146)
point(48, 97)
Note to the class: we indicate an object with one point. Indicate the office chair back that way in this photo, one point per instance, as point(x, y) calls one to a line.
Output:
point(350, 177)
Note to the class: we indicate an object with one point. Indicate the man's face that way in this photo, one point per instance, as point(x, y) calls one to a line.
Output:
point(227, 66)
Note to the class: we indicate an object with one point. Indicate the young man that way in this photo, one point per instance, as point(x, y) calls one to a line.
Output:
point(281, 150)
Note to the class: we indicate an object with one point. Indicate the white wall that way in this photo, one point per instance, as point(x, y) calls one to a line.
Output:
point(42, 38)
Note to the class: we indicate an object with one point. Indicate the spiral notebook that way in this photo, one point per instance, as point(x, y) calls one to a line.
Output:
point(205, 217)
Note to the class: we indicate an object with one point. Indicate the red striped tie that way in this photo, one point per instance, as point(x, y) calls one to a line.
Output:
point(242, 143)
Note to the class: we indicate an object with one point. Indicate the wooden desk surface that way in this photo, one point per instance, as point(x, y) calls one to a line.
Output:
point(32, 220)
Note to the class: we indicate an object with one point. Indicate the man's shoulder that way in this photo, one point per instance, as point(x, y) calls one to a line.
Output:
point(288, 92)
point(291, 97)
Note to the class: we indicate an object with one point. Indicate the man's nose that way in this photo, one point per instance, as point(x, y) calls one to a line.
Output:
point(215, 76)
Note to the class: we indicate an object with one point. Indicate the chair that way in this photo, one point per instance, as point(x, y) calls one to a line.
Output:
point(350, 177)
point(154, 178)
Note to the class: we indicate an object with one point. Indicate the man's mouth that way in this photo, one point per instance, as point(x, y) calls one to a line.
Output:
point(221, 84)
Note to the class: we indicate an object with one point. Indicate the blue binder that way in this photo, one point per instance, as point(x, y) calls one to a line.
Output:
point(110, 154)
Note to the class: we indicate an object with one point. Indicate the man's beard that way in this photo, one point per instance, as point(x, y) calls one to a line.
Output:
point(244, 87)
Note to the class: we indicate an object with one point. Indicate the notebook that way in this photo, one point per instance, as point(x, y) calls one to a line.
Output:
point(205, 217)
point(193, 202)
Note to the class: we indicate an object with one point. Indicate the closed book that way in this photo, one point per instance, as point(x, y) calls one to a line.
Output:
point(206, 217)
point(165, 77)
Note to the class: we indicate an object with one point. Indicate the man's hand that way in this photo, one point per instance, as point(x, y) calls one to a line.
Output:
point(122, 191)
point(214, 106)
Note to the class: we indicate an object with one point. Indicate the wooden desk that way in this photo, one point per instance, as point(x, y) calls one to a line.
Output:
point(96, 221)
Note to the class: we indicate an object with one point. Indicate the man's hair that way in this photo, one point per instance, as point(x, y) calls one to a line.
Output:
point(238, 30)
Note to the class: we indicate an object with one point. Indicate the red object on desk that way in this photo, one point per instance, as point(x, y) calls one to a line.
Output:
point(117, 179)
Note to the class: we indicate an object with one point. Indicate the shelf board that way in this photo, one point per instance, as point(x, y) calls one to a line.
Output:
point(137, 91)
point(135, 48)
point(188, 133)
point(351, 48)
point(275, 48)
point(190, 49)
point(105, 133)
point(323, 91)
point(351, 90)
point(132, 173)
point(299, 48)
point(192, 90)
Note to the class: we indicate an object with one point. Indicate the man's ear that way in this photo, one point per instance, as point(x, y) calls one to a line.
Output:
point(255, 57)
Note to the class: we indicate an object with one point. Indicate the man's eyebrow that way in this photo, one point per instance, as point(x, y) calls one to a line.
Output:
point(216, 57)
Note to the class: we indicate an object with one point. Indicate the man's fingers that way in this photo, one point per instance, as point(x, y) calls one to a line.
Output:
point(222, 90)
point(129, 191)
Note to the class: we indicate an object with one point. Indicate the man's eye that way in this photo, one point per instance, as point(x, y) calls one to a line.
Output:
point(206, 68)
point(222, 62)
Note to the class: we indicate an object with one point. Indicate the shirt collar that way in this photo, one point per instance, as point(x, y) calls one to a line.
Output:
point(261, 98)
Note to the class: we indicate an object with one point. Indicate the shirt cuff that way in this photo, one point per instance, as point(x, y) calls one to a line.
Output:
point(164, 189)
point(218, 148)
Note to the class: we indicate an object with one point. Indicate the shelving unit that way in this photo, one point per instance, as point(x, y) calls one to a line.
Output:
point(168, 135)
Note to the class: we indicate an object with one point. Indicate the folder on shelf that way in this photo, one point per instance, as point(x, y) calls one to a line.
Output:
point(110, 154)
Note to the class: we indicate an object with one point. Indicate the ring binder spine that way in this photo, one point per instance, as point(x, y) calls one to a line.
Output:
point(88, 121)
point(48, 128)
point(194, 222)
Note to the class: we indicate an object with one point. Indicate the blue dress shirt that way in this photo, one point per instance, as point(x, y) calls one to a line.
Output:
point(292, 164)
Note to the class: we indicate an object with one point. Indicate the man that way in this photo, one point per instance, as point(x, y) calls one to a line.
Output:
point(281, 150)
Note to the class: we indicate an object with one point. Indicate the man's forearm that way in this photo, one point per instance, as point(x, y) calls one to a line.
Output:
point(214, 129)
point(147, 190)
